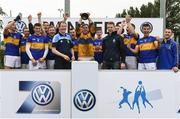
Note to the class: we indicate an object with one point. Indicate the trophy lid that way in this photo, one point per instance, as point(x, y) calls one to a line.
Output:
point(84, 16)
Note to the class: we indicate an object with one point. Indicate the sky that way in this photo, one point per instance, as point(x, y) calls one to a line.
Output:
point(49, 8)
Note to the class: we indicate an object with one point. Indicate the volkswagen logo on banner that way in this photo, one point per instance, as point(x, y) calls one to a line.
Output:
point(44, 97)
point(42, 94)
point(84, 100)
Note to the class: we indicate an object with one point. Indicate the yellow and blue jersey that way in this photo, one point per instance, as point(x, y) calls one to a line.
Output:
point(85, 45)
point(167, 58)
point(147, 50)
point(50, 55)
point(75, 43)
point(98, 55)
point(24, 56)
point(85, 41)
point(37, 45)
point(129, 39)
point(75, 48)
point(12, 43)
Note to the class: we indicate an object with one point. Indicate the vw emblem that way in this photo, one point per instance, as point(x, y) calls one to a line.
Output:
point(84, 100)
point(42, 94)
point(20, 25)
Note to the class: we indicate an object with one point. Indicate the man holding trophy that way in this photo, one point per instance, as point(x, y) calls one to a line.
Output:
point(85, 34)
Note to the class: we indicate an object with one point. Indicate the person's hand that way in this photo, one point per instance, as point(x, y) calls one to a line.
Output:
point(88, 13)
point(34, 62)
point(123, 66)
point(89, 16)
point(80, 19)
point(123, 23)
point(18, 18)
point(97, 48)
point(128, 18)
point(158, 38)
point(30, 18)
point(175, 69)
point(41, 60)
point(66, 57)
point(39, 14)
point(73, 58)
point(129, 46)
point(65, 16)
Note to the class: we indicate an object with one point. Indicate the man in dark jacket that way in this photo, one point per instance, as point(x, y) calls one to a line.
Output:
point(113, 49)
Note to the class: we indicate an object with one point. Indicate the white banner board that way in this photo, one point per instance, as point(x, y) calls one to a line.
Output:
point(35, 94)
point(138, 94)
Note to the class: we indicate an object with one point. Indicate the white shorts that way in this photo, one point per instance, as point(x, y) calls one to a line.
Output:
point(12, 61)
point(38, 66)
point(50, 64)
point(147, 66)
point(131, 62)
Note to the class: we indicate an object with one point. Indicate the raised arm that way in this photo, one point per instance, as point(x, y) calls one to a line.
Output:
point(30, 25)
point(7, 27)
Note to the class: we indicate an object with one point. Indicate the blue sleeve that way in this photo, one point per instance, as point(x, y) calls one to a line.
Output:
point(153, 38)
point(20, 36)
point(6, 35)
point(175, 54)
point(55, 39)
point(29, 40)
point(46, 40)
point(69, 36)
point(138, 42)
point(94, 42)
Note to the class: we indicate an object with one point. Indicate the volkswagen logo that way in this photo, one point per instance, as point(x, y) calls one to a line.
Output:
point(84, 100)
point(20, 25)
point(42, 94)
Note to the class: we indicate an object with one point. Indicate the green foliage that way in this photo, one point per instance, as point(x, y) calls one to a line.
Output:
point(2, 12)
point(152, 10)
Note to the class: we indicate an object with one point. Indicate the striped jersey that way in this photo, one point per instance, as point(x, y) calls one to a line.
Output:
point(12, 42)
point(147, 50)
point(37, 45)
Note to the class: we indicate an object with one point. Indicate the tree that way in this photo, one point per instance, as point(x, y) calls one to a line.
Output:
point(118, 15)
point(124, 13)
point(143, 10)
point(173, 15)
point(137, 13)
point(131, 11)
point(151, 10)
point(2, 12)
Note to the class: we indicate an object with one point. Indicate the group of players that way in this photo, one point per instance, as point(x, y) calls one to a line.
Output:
point(44, 46)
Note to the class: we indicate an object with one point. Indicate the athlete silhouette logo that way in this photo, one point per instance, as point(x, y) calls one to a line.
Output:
point(139, 92)
point(126, 93)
